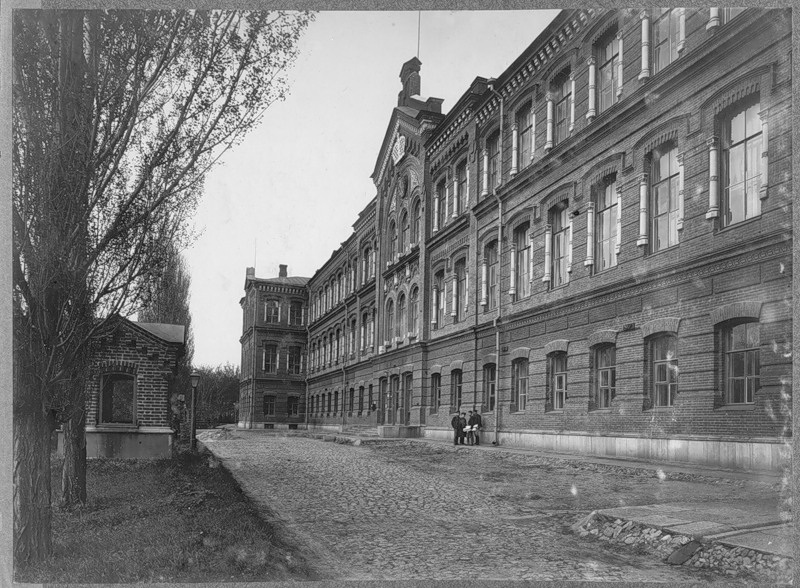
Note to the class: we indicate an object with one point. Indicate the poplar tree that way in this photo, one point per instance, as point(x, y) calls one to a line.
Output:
point(117, 117)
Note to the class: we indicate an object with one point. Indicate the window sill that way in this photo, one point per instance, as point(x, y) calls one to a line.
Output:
point(605, 271)
point(737, 407)
point(600, 410)
point(660, 409)
point(735, 226)
point(116, 427)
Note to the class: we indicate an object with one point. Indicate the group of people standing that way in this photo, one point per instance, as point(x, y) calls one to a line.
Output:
point(467, 429)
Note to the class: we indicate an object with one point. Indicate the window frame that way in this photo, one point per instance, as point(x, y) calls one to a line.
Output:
point(106, 394)
point(522, 253)
point(272, 312)
point(670, 370)
point(611, 64)
point(524, 120)
point(273, 359)
point(741, 107)
point(492, 254)
point(436, 392)
point(672, 40)
point(601, 400)
point(460, 198)
point(489, 387)
point(561, 87)
point(560, 238)
point(606, 191)
point(292, 406)
point(519, 384)
point(493, 149)
point(750, 351)
point(557, 378)
point(460, 288)
point(456, 389)
point(668, 149)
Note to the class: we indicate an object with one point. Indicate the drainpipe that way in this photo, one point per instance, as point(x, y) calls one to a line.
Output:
point(344, 364)
point(496, 320)
point(253, 379)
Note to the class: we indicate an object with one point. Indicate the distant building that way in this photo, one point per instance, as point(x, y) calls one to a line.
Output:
point(130, 390)
point(594, 248)
point(274, 341)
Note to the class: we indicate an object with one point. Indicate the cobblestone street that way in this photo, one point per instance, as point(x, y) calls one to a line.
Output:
point(407, 510)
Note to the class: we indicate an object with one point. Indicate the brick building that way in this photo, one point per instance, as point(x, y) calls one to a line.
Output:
point(594, 248)
point(274, 341)
point(130, 394)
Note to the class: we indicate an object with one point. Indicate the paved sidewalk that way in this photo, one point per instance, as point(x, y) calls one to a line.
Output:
point(761, 524)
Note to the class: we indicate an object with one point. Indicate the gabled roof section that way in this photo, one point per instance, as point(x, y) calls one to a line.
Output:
point(164, 331)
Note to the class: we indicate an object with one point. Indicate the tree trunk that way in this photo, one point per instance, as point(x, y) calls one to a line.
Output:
point(73, 473)
point(32, 429)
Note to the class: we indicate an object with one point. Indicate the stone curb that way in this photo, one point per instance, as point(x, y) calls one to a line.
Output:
point(686, 550)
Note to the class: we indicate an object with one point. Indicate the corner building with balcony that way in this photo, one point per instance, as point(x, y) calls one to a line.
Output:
point(594, 249)
point(272, 386)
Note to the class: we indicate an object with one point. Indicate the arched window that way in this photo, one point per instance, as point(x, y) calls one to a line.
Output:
point(522, 252)
point(562, 97)
point(489, 386)
point(741, 161)
point(460, 290)
point(405, 241)
point(664, 203)
point(492, 275)
point(392, 241)
point(607, 55)
point(413, 310)
point(606, 237)
point(666, 36)
point(441, 203)
point(560, 227)
point(417, 226)
point(493, 148)
point(389, 321)
point(401, 316)
point(461, 198)
point(524, 128)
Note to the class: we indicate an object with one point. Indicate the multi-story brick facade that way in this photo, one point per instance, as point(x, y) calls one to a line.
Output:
point(274, 341)
point(602, 261)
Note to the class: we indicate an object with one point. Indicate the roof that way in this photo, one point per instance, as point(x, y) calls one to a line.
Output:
point(169, 333)
point(288, 281)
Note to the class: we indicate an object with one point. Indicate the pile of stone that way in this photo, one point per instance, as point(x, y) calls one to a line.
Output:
point(683, 550)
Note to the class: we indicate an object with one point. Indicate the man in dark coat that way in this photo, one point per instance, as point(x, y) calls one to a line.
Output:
point(462, 424)
point(476, 422)
point(457, 429)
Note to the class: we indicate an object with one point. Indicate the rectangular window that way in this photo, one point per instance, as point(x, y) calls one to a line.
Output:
point(269, 405)
point(118, 399)
point(519, 384)
point(441, 196)
point(335, 402)
point(563, 103)
point(294, 360)
point(489, 389)
point(455, 390)
point(664, 207)
point(663, 349)
point(558, 374)
point(270, 359)
point(271, 310)
point(606, 225)
point(293, 406)
point(559, 222)
point(605, 376)
point(741, 163)
point(523, 261)
point(666, 31)
point(296, 313)
point(439, 299)
point(370, 401)
point(360, 399)
point(742, 363)
point(608, 60)
point(352, 400)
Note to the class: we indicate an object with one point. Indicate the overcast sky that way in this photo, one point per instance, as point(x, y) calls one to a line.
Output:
point(290, 192)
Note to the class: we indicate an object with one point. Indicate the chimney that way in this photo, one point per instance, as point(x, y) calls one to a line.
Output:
point(251, 272)
point(282, 271)
point(409, 77)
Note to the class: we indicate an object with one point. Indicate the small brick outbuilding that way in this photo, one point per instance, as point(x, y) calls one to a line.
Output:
point(130, 392)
